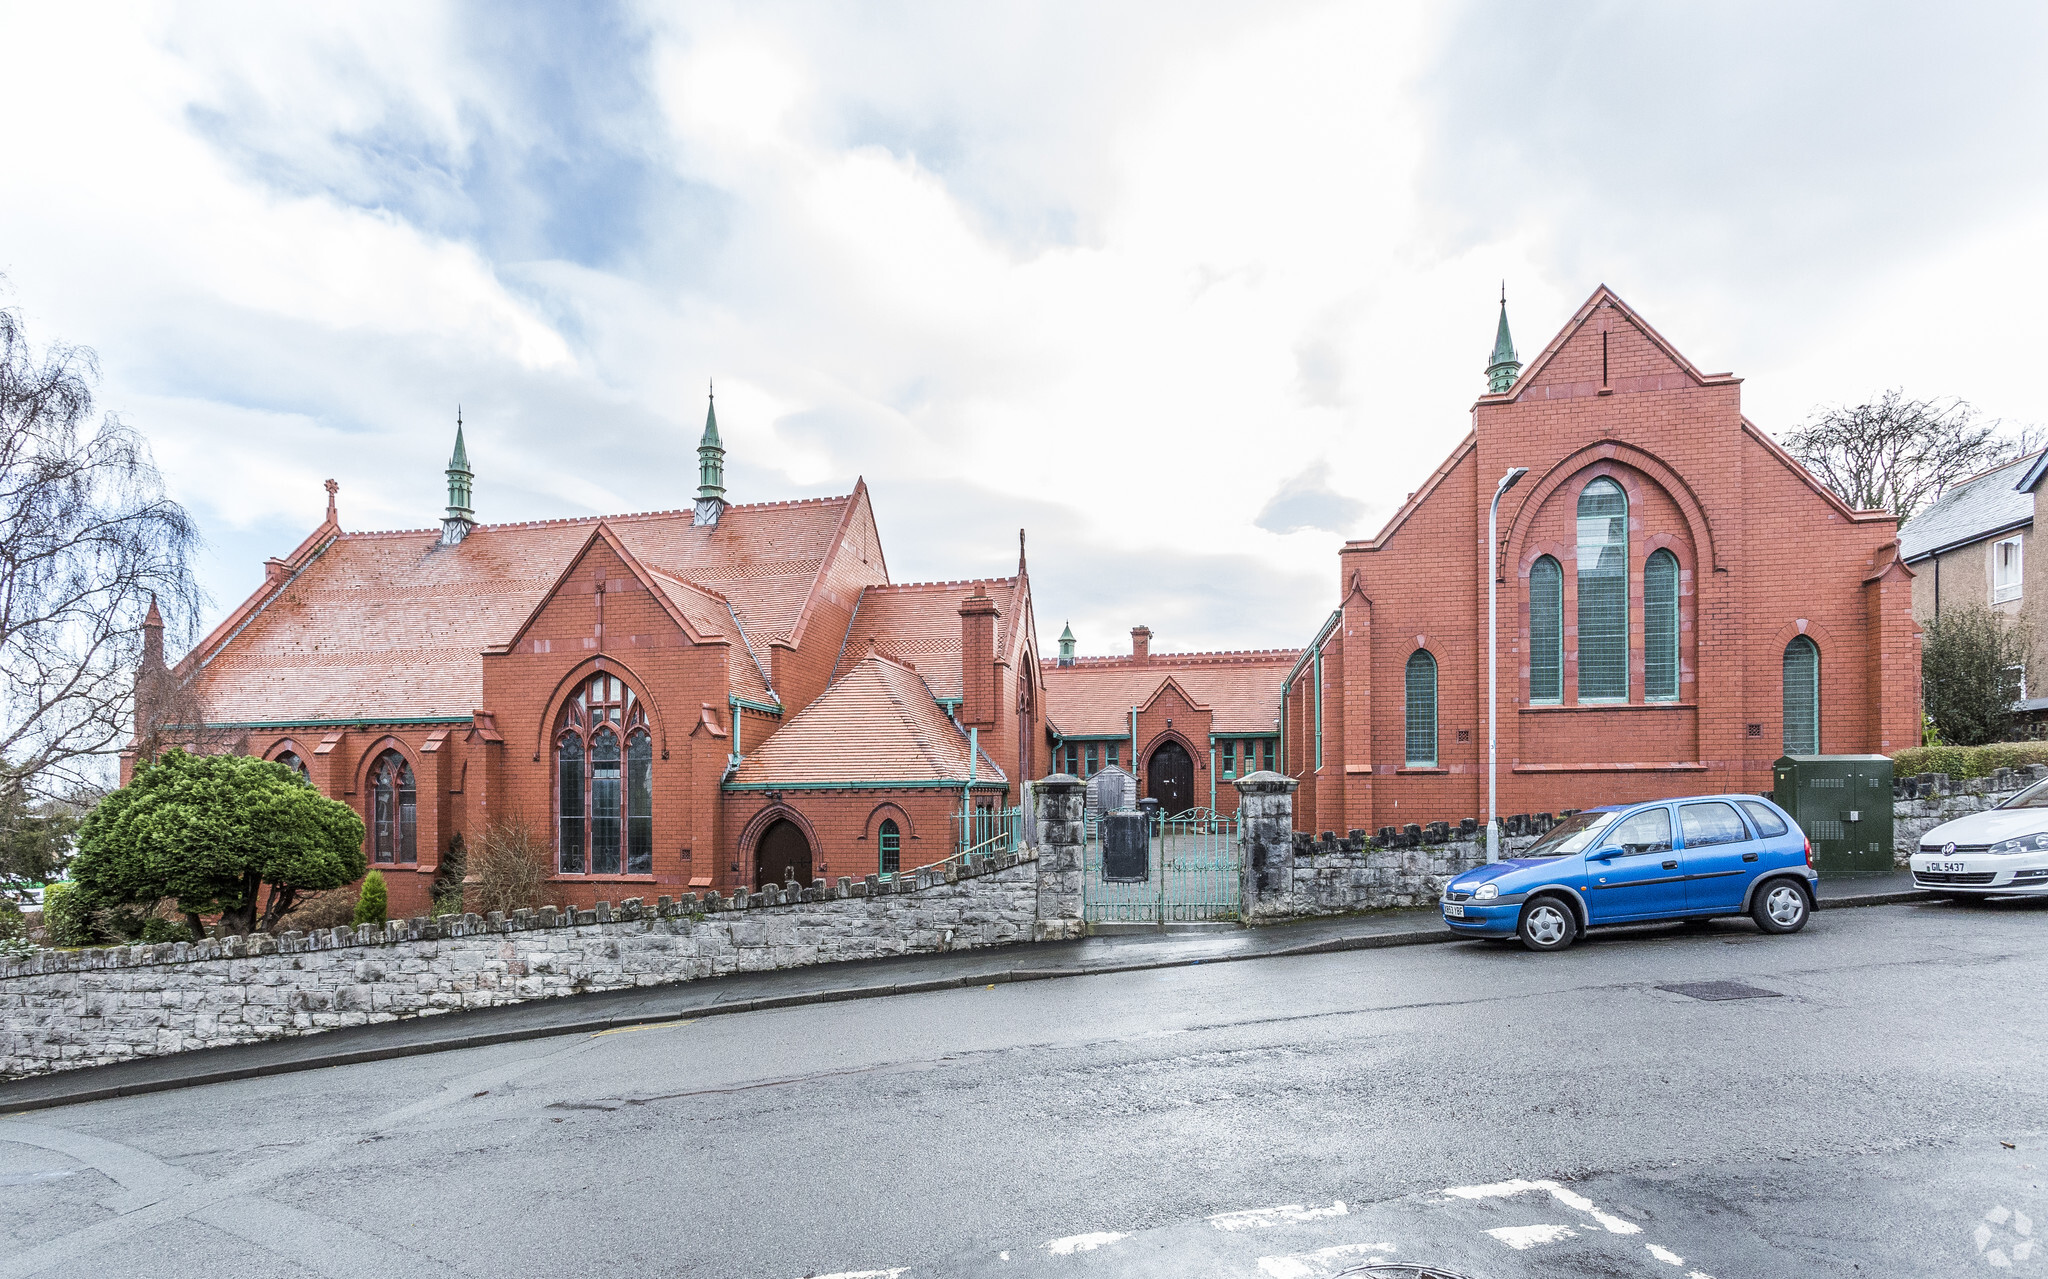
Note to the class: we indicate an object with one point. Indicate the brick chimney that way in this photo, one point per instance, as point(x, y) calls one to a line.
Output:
point(978, 614)
point(1141, 644)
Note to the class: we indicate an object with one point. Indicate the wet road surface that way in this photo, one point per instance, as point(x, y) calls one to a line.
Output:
point(1489, 1110)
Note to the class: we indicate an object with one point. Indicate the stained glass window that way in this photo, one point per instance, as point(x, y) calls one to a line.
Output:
point(1802, 697)
point(1546, 631)
point(1421, 708)
point(394, 810)
point(1603, 592)
point(604, 787)
point(1660, 627)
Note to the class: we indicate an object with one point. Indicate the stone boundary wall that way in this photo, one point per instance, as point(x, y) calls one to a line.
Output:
point(1941, 800)
point(60, 1010)
point(1333, 876)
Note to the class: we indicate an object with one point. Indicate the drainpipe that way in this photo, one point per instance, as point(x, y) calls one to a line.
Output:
point(1134, 741)
point(732, 711)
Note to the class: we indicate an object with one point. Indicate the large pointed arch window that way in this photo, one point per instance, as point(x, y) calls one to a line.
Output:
point(394, 811)
point(604, 782)
point(1660, 627)
point(1802, 697)
point(1421, 709)
point(1603, 592)
point(1546, 630)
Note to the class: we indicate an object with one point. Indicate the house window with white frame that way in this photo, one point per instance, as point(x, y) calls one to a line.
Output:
point(2005, 570)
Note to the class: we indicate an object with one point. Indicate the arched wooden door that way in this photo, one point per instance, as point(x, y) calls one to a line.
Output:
point(1170, 778)
point(782, 854)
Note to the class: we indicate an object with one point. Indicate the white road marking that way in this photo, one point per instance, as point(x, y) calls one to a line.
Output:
point(1323, 1261)
point(1083, 1243)
point(866, 1274)
point(1569, 1198)
point(1665, 1255)
point(1259, 1218)
point(1520, 1237)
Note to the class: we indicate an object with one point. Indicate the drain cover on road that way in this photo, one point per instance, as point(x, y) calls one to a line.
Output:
point(1721, 990)
point(1398, 1270)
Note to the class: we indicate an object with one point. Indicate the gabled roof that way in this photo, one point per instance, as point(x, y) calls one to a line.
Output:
point(1995, 502)
point(877, 724)
point(1604, 298)
point(919, 623)
point(1094, 696)
point(381, 626)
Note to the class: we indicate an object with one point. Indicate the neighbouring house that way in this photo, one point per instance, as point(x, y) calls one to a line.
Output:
point(1968, 549)
point(709, 697)
point(1680, 603)
point(1185, 724)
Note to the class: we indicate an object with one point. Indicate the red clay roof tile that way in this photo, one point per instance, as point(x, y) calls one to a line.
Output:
point(1094, 696)
point(392, 624)
point(877, 723)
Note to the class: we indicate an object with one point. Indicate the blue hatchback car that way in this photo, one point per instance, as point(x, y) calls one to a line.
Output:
point(1691, 858)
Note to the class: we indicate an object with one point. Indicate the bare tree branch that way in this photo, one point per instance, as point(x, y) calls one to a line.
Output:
point(1901, 455)
point(87, 540)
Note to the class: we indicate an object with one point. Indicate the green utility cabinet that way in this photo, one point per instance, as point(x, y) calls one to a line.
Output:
point(1844, 804)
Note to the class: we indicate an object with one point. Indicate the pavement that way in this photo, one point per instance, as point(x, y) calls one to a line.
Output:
point(1860, 1099)
point(752, 992)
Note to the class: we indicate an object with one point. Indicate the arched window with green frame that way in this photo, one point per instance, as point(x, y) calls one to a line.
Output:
point(1421, 709)
point(1603, 592)
point(1802, 696)
point(1660, 627)
point(889, 844)
point(1546, 630)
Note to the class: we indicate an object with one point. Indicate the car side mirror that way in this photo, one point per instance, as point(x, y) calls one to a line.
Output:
point(1604, 855)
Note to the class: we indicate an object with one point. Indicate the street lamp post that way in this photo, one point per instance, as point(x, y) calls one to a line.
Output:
point(1493, 660)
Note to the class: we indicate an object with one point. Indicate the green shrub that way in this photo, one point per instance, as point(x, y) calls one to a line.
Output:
point(157, 929)
point(1968, 761)
point(1968, 662)
point(69, 916)
point(371, 905)
point(212, 833)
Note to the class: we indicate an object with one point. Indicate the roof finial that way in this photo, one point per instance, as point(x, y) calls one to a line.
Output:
point(331, 486)
point(1502, 368)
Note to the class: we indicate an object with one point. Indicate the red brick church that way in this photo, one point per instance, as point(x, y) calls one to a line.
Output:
point(701, 698)
point(725, 695)
point(1679, 604)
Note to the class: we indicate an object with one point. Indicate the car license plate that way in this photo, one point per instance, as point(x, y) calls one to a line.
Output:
point(1454, 910)
point(1948, 868)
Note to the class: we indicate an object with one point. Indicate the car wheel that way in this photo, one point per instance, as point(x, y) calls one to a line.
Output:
point(1547, 924)
point(1781, 907)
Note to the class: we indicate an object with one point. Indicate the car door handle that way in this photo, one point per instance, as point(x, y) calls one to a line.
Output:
point(1749, 857)
point(1670, 865)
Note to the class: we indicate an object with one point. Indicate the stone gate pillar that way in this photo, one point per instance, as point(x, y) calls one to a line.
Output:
point(1265, 816)
point(1057, 804)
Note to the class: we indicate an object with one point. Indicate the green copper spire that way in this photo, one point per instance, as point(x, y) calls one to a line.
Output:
point(1501, 371)
point(461, 516)
point(711, 456)
point(710, 468)
point(1067, 646)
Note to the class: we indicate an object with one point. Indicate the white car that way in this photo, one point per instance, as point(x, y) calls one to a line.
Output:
point(2000, 852)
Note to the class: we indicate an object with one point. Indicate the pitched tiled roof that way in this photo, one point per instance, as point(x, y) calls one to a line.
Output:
point(1094, 696)
point(919, 623)
point(1976, 508)
point(878, 723)
point(392, 625)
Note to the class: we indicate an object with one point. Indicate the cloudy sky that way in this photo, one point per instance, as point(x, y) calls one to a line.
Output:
point(1191, 291)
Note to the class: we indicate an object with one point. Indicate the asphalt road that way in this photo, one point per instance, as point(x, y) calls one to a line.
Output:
point(1472, 1105)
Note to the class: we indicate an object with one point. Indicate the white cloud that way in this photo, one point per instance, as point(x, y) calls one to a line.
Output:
point(1130, 277)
